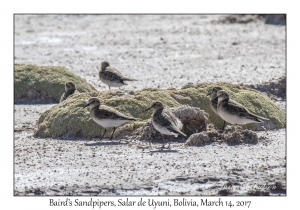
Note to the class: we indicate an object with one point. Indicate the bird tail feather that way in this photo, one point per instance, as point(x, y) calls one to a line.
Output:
point(129, 79)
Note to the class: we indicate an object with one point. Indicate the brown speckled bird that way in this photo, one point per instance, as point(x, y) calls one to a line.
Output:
point(233, 112)
point(106, 116)
point(70, 88)
point(111, 76)
point(165, 121)
point(214, 103)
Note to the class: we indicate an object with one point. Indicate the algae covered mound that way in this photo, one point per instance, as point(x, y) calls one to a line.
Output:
point(69, 117)
point(45, 82)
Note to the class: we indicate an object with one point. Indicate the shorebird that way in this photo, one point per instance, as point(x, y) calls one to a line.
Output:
point(106, 116)
point(214, 103)
point(165, 121)
point(111, 76)
point(233, 112)
point(70, 89)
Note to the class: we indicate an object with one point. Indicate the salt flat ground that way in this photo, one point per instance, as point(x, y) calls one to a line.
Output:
point(160, 51)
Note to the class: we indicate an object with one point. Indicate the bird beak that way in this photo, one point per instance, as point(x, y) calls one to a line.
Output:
point(208, 93)
point(214, 98)
point(147, 109)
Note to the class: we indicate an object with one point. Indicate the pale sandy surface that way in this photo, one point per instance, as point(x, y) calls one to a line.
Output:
point(62, 167)
point(159, 51)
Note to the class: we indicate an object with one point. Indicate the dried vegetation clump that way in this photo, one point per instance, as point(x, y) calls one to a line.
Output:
point(231, 135)
point(276, 87)
point(273, 19)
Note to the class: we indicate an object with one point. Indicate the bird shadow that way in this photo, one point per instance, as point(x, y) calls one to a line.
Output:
point(232, 144)
point(205, 144)
point(104, 143)
point(158, 150)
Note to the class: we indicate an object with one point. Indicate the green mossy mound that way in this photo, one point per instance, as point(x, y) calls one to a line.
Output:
point(45, 82)
point(69, 118)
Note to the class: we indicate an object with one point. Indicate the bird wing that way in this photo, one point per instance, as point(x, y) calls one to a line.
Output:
point(243, 112)
point(67, 94)
point(116, 75)
point(106, 112)
point(113, 71)
point(170, 121)
point(62, 98)
point(111, 74)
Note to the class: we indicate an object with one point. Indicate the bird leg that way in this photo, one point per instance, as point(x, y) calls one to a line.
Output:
point(150, 145)
point(223, 125)
point(103, 134)
point(112, 133)
point(169, 145)
point(163, 146)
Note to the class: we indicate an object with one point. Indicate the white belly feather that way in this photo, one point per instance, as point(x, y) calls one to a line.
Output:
point(164, 130)
point(112, 83)
point(234, 119)
point(106, 123)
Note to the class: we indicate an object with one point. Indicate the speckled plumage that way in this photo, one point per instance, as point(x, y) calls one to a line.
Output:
point(213, 94)
point(165, 121)
point(233, 112)
point(106, 116)
point(66, 94)
point(214, 101)
point(111, 76)
point(70, 89)
point(104, 112)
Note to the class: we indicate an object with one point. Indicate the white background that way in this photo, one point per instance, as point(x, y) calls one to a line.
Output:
point(8, 8)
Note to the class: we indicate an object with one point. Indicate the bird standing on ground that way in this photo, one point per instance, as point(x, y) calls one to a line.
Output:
point(111, 76)
point(106, 116)
point(165, 121)
point(214, 103)
point(233, 112)
point(70, 88)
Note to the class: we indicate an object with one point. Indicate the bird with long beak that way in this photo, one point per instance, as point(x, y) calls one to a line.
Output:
point(111, 76)
point(233, 112)
point(165, 121)
point(106, 116)
point(214, 103)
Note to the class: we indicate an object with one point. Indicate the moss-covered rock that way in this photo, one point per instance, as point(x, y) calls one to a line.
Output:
point(68, 117)
point(46, 82)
